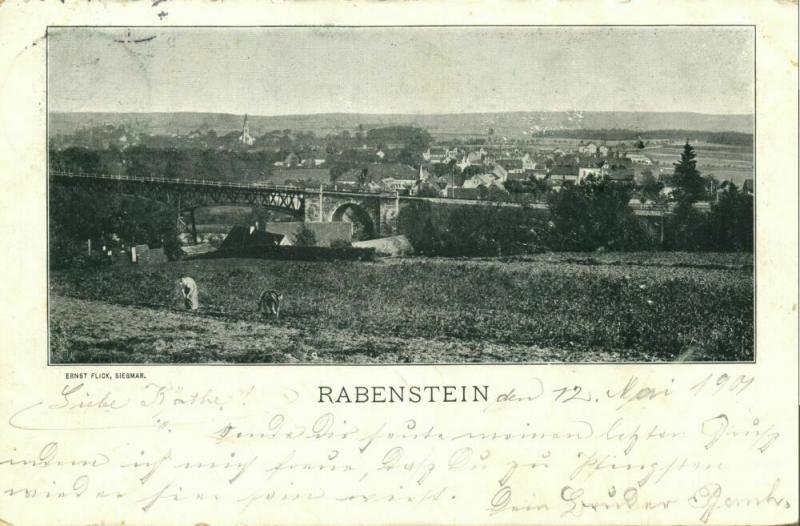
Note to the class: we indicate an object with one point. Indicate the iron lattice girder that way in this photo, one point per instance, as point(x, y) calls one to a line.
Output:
point(188, 195)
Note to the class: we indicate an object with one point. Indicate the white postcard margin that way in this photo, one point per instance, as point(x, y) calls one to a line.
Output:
point(682, 443)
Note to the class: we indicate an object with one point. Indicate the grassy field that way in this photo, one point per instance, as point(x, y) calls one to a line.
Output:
point(734, 163)
point(551, 307)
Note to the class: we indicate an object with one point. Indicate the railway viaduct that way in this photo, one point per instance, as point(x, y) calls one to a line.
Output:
point(378, 212)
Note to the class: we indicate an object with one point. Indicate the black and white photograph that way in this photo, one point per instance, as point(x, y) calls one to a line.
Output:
point(401, 195)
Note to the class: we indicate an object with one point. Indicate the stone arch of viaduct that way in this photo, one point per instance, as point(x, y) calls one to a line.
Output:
point(382, 210)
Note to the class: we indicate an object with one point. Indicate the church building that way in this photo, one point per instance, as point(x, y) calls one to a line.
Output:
point(246, 139)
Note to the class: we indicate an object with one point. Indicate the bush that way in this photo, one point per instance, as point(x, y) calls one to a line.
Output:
point(728, 227)
point(418, 221)
point(305, 237)
point(731, 222)
point(595, 215)
point(77, 215)
point(70, 255)
point(490, 230)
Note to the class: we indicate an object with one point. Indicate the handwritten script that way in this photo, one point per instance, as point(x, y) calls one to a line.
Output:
point(534, 451)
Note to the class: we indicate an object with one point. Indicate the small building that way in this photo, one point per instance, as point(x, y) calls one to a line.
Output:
point(500, 172)
point(639, 158)
point(240, 237)
point(564, 173)
point(143, 255)
point(395, 185)
point(435, 155)
point(292, 160)
point(584, 172)
point(479, 180)
point(528, 162)
point(511, 166)
point(453, 154)
point(474, 158)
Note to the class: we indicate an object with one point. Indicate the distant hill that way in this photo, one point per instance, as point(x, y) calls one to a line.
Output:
point(511, 124)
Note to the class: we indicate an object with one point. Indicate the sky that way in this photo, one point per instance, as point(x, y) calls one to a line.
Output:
point(287, 71)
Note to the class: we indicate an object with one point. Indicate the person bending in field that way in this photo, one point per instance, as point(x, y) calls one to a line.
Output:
point(270, 302)
point(188, 288)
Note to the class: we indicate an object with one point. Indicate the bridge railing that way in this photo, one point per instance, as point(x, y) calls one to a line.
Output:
point(220, 184)
point(175, 180)
point(644, 207)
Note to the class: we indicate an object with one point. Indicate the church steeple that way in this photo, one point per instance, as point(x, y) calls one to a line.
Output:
point(246, 138)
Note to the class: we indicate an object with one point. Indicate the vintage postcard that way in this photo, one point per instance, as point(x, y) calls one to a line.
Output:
point(399, 264)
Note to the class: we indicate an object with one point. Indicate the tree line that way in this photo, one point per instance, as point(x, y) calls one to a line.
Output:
point(142, 161)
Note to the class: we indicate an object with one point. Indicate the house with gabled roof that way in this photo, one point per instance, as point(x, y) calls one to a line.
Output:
point(473, 158)
point(528, 162)
point(484, 180)
point(564, 173)
point(511, 166)
point(435, 155)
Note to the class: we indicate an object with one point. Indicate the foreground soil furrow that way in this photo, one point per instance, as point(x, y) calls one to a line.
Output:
point(88, 331)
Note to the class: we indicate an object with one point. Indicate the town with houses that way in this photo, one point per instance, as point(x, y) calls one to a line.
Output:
point(481, 171)
point(405, 160)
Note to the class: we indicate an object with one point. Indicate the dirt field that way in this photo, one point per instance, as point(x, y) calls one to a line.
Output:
point(563, 307)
